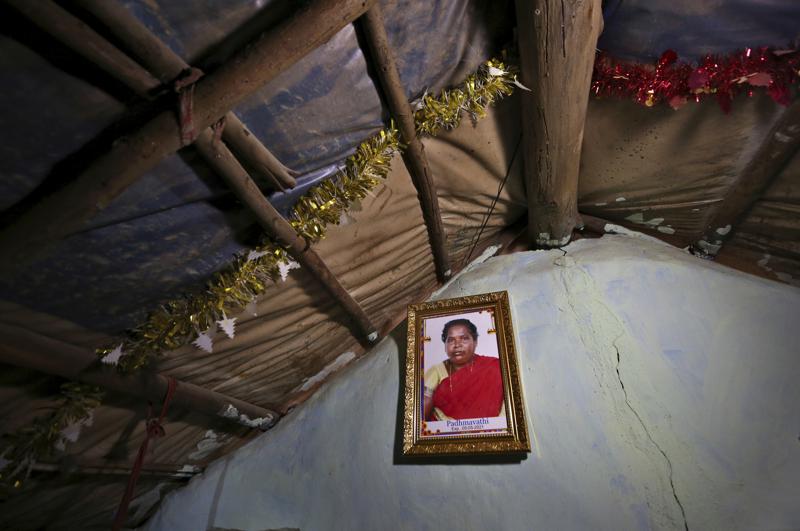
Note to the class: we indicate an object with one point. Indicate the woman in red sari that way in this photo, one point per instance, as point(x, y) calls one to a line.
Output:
point(466, 385)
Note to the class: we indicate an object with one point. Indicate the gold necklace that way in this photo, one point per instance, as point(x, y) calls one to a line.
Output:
point(451, 370)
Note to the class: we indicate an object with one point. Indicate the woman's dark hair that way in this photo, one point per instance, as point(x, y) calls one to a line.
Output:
point(473, 330)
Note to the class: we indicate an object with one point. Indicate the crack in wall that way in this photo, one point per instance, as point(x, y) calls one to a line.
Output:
point(652, 440)
point(589, 287)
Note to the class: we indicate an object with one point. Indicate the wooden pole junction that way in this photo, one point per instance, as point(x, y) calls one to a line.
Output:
point(166, 65)
point(215, 94)
point(281, 231)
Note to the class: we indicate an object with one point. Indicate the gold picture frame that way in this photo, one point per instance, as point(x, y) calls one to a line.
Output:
point(455, 348)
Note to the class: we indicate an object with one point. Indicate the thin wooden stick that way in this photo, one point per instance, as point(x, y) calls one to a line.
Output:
point(249, 149)
point(597, 226)
point(414, 154)
point(83, 468)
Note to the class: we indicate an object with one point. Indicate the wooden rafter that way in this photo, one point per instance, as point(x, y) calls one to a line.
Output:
point(57, 22)
point(276, 226)
point(557, 41)
point(24, 348)
point(776, 150)
point(414, 154)
point(128, 159)
point(166, 65)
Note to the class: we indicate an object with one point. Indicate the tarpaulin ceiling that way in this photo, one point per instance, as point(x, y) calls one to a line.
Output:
point(672, 168)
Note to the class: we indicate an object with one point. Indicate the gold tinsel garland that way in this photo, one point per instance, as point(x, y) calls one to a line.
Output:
point(491, 82)
point(326, 202)
point(175, 322)
point(36, 441)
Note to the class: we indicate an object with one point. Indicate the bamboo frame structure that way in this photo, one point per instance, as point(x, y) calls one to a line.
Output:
point(280, 230)
point(69, 30)
point(216, 154)
point(414, 155)
point(166, 65)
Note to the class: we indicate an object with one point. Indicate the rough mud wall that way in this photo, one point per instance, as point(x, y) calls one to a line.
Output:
point(661, 391)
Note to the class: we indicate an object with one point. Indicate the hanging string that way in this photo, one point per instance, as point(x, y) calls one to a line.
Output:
point(217, 128)
point(477, 238)
point(153, 430)
point(184, 86)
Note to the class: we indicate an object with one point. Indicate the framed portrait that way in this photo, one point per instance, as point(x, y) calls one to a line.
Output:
point(463, 393)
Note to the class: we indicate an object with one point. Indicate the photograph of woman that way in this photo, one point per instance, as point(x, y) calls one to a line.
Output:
point(463, 393)
point(463, 389)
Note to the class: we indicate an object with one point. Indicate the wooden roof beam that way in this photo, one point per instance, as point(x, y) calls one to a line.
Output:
point(166, 65)
point(280, 230)
point(414, 155)
point(776, 150)
point(557, 42)
point(25, 348)
point(66, 211)
point(160, 64)
point(58, 23)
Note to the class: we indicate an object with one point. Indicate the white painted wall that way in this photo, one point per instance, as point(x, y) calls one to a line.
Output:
point(708, 416)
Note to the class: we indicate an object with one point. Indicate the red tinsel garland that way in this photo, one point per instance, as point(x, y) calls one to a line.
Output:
point(676, 82)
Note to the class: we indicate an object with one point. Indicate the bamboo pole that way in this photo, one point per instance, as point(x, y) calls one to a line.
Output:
point(276, 226)
point(25, 348)
point(414, 154)
point(776, 150)
point(57, 22)
point(249, 149)
point(557, 41)
point(166, 65)
point(88, 468)
point(67, 210)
